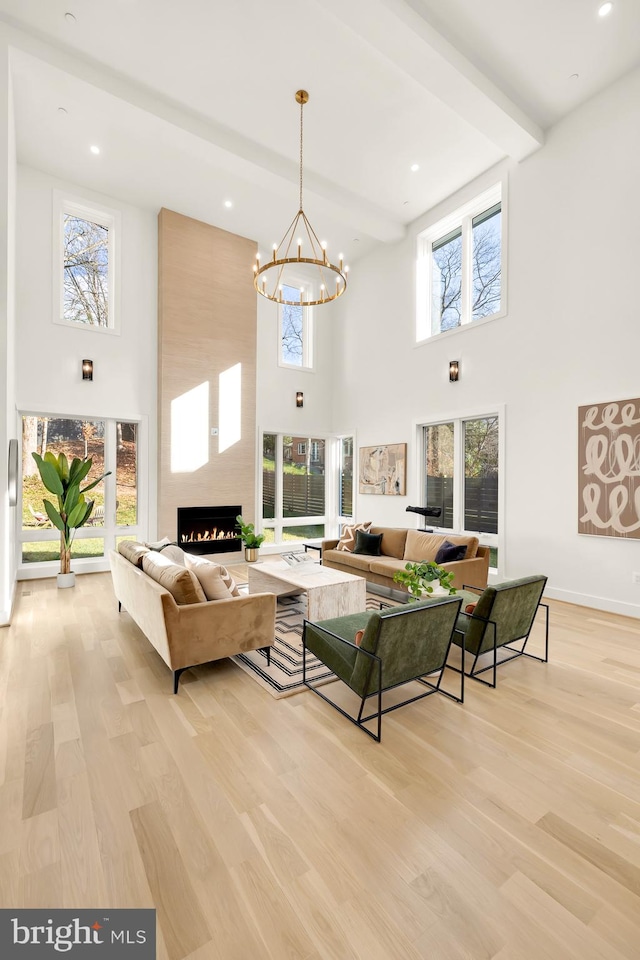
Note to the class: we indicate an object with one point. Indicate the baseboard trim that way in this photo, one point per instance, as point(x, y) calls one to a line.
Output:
point(597, 603)
point(41, 571)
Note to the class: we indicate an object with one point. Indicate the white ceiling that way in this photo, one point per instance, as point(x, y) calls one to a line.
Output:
point(193, 103)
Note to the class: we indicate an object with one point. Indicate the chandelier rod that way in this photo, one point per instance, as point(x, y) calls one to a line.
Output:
point(301, 139)
point(301, 96)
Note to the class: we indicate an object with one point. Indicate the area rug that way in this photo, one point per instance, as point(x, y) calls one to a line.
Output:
point(284, 675)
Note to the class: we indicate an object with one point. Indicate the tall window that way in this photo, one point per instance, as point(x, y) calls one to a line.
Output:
point(462, 476)
point(116, 511)
point(85, 265)
point(345, 486)
point(460, 267)
point(295, 331)
point(293, 487)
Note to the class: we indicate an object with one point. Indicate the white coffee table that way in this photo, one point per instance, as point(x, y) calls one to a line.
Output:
point(329, 592)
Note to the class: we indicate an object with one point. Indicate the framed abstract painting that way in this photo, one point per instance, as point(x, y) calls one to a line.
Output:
point(609, 469)
point(382, 469)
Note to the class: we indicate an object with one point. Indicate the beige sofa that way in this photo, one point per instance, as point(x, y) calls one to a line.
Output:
point(190, 633)
point(399, 547)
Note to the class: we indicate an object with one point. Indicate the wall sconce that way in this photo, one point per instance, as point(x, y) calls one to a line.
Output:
point(454, 370)
point(299, 399)
point(87, 369)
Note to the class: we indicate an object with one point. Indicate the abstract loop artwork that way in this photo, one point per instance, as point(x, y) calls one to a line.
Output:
point(609, 469)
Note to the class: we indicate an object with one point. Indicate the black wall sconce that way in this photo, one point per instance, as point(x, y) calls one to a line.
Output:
point(454, 370)
point(87, 369)
point(299, 399)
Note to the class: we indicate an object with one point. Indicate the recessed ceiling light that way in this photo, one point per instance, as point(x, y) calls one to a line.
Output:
point(574, 76)
point(62, 110)
point(70, 18)
point(228, 204)
point(605, 9)
point(95, 150)
point(415, 167)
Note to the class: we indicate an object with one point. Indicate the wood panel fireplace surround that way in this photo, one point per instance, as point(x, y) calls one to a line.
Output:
point(208, 529)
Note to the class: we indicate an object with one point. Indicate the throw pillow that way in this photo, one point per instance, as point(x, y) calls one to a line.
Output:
point(195, 564)
point(173, 553)
point(470, 607)
point(450, 552)
point(209, 576)
point(180, 582)
point(368, 543)
point(347, 541)
point(132, 551)
point(358, 638)
point(165, 542)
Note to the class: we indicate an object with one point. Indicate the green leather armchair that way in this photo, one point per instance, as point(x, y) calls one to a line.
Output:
point(504, 614)
point(399, 645)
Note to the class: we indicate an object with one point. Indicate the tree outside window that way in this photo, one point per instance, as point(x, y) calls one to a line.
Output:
point(295, 331)
point(86, 272)
point(460, 267)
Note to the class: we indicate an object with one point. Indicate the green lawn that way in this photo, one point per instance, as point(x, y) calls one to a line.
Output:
point(33, 493)
point(296, 534)
point(269, 466)
point(50, 550)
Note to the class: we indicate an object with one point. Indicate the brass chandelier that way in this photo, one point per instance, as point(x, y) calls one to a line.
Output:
point(291, 278)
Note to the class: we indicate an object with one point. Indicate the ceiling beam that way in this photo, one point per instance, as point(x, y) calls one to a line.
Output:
point(233, 152)
point(399, 31)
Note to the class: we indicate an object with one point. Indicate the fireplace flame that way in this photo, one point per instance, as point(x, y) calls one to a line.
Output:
point(214, 534)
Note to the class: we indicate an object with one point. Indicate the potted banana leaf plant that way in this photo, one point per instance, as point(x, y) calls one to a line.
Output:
point(73, 508)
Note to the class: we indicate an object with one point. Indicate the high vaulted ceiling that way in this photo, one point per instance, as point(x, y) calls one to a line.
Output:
point(192, 103)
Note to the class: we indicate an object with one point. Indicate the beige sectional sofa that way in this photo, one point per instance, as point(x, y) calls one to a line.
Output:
point(189, 630)
point(399, 547)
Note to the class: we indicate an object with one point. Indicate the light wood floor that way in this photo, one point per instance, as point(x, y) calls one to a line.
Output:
point(504, 829)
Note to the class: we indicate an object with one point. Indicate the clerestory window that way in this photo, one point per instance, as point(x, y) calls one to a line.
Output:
point(85, 269)
point(461, 267)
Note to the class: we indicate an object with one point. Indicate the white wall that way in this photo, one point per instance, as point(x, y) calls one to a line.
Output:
point(277, 386)
point(571, 337)
point(7, 330)
point(49, 355)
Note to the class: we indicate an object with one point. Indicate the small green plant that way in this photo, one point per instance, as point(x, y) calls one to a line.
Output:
point(73, 510)
point(249, 537)
point(418, 578)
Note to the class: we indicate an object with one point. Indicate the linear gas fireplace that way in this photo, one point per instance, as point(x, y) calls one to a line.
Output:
point(208, 529)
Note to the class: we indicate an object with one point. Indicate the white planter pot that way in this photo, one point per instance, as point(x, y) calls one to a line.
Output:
point(437, 590)
point(66, 580)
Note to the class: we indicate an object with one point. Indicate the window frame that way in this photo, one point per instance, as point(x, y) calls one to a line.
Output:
point(65, 204)
point(343, 518)
point(110, 532)
point(307, 337)
point(460, 219)
point(332, 523)
point(498, 539)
